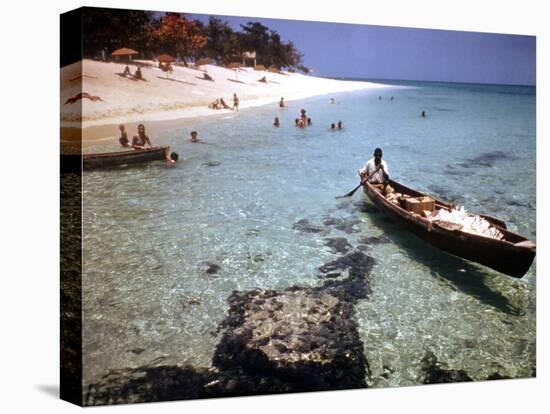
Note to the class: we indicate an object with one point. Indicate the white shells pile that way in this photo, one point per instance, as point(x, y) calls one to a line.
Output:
point(470, 223)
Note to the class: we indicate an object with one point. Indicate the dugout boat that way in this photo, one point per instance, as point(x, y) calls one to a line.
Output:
point(504, 251)
point(121, 158)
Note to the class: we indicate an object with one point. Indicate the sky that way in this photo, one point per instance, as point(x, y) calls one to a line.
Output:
point(383, 52)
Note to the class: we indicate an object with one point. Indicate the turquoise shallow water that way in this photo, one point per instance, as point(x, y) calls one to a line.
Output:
point(152, 233)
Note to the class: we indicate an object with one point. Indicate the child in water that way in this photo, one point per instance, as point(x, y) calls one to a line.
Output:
point(124, 141)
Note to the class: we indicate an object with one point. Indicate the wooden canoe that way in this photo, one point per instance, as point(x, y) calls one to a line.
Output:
point(513, 255)
point(120, 158)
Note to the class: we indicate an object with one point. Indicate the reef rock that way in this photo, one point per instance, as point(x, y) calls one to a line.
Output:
point(435, 372)
point(303, 337)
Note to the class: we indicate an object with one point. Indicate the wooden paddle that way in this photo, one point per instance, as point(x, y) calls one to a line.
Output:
point(352, 192)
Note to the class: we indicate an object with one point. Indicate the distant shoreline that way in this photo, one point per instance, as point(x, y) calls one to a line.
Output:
point(399, 82)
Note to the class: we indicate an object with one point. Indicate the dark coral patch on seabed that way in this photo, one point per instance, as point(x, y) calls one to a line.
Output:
point(293, 340)
point(338, 244)
point(305, 226)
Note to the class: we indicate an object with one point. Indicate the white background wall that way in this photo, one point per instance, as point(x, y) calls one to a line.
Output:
point(29, 203)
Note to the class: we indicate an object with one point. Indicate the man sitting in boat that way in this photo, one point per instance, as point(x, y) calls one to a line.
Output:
point(141, 141)
point(380, 179)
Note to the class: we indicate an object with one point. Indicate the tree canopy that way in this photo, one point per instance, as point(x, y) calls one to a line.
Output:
point(105, 30)
point(178, 35)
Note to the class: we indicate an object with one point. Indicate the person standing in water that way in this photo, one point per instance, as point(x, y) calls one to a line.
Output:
point(141, 141)
point(282, 102)
point(194, 136)
point(124, 141)
point(235, 102)
point(276, 122)
point(303, 116)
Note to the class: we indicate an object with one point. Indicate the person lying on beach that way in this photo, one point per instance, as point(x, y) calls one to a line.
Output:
point(223, 104)
point(138, 74)
point(235, 102)
point(126, 71)
point(124, 141)
point(141, 141)
point(194, 136)
point(83, 95)
point(276, 122)
point(340, 126)
point(380, 179)
point(282, 103)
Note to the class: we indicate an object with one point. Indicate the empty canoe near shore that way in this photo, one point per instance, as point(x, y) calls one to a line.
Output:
point(117, 159)
point(510, 253)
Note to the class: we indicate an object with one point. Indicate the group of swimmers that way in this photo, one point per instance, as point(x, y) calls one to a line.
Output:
point(338, 125)
point(303, 120)
point(141, 140)
point(220, 104)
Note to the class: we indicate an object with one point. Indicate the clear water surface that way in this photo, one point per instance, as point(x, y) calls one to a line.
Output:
point(152, 233)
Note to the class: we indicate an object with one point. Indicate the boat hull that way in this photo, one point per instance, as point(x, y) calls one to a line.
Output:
point(122, 158)
point(501, 255)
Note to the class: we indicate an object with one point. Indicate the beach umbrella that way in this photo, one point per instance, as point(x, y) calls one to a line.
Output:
point(164, 62)
point(165, 58)
point(125, 52)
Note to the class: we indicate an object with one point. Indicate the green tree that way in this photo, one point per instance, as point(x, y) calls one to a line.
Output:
point(255, 37)
point(222, 41)
point(110, 29)
point(270, 49)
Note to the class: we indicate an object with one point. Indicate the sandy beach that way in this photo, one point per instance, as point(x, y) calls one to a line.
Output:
point(175, 96)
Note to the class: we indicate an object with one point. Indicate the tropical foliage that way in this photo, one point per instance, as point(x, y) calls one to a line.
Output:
point(177, 35)
point(106, 30)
